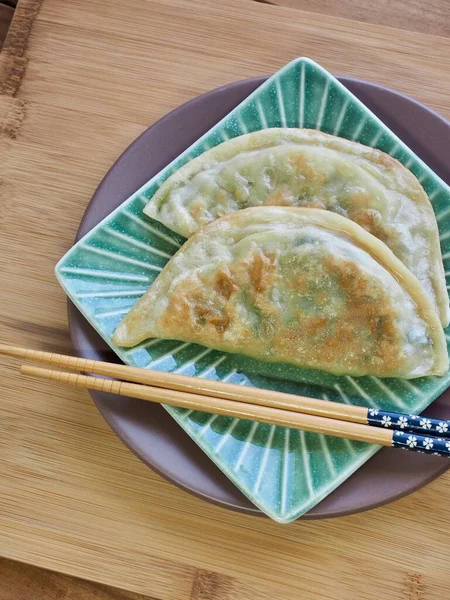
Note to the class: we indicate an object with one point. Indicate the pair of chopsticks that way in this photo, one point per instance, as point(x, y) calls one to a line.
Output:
point(411, 432)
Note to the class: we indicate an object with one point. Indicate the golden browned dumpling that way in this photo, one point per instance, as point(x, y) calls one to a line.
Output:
point(294, 285)
point(295, 167)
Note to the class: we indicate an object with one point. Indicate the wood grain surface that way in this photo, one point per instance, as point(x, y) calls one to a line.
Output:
point(78, 82)
point(432, 16)
point(25, 582)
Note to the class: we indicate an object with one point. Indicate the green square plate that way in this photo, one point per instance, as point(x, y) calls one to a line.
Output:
point(284, 472)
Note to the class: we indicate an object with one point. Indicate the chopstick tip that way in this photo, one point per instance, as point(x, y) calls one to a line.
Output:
point(8, 350)
point(5, 349)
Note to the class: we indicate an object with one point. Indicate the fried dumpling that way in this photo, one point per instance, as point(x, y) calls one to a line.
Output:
point(294, 285)
point(295, 167)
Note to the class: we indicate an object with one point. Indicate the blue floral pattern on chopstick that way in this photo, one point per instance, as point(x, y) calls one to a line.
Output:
point(421, 443)
point(408, 423)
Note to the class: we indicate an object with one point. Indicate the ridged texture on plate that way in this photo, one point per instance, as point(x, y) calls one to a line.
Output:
point(283, 472)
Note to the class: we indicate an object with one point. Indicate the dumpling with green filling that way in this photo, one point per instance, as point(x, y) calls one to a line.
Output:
point(293, 285)
point(299, 167)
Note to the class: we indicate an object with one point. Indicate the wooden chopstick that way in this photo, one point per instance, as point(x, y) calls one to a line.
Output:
point(184, 383)
point(242, 410)
point(237, 393)
point(219, 406)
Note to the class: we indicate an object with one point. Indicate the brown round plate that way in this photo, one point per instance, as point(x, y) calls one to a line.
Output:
point(147, 429)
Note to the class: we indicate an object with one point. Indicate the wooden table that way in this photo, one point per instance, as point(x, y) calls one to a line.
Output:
point(78, 82)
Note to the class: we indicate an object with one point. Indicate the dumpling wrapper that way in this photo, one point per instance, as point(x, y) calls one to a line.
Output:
point(299, 167)
point(293, 285)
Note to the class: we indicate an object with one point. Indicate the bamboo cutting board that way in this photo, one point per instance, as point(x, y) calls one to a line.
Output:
point(78, 82)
